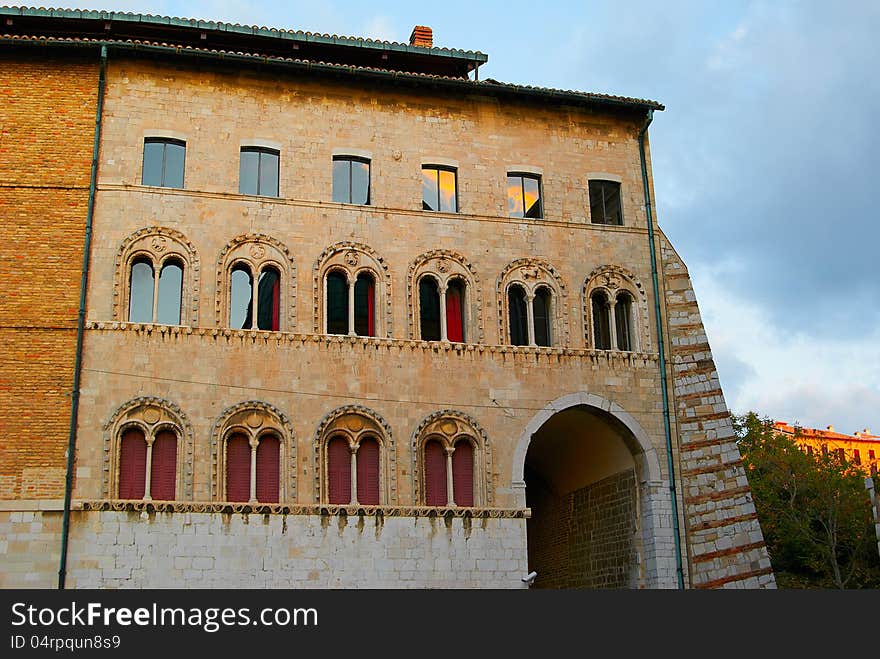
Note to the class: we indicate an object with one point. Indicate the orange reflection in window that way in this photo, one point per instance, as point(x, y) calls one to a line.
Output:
point(447, 191)
point(514, 197)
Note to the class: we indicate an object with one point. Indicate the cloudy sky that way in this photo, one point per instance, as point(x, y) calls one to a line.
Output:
point(762, 160)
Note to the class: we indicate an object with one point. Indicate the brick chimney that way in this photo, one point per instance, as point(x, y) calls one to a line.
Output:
point(422, 36)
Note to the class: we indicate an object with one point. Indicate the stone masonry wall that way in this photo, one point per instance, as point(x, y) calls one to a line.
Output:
point(47, 120)
point(725, 544)
point(127, 549)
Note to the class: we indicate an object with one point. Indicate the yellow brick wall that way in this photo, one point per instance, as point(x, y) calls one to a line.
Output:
point(47, 117)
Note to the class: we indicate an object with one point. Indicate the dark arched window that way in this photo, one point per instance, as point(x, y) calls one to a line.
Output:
point(601, 321)
point(429, 309)
point(367, 458)
point(238, 468)
point(455, 316)
point(435, 474)
point(132, 464)
point(339, 471)
point(516, 302)
point(364, 305)
point(141, 285)
point(268, 469)
point(541, 316)
point(623, 321)
point(269, 300)
point(337, 303)
point(463, 473)
point(163, 471)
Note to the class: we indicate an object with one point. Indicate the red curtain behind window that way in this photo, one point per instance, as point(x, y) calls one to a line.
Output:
point(163, 471)
point(339, 471)
point(435, 474)
point(368, 472)
point(132, 464)
point(268, 469)
point(238, 468)
point(453, 315)
point(463, 474)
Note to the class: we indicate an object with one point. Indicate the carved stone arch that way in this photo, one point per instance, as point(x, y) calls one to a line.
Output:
point(258, 250)
point(611, 279)
point(446, 265)
point(532, 274)
point(357, 422)
point(150, 414)
point(254, 418)
point(158, 244)
point(353, 258)
point(449, 426)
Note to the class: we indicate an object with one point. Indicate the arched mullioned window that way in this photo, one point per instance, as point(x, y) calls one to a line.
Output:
point(353, 285)
point(615, 305)
point(445, 299)
point(256, 276)
point(154, 281)
point(254, 449)
point(453, 465)
point(354, 458)
point(146, 464)
point(530, 297)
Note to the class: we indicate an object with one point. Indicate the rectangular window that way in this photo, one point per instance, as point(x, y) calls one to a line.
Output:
point(871, 455)
point(524, 195)
point(258, 171)
point(351, 180)
point(163, 162)
point(605, 205)
point(857, 457)
point(439, 189)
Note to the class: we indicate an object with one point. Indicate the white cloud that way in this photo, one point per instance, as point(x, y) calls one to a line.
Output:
point(789, 376)
point(381, 27)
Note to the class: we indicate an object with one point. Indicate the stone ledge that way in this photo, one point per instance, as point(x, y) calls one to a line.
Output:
point(28, 505)
point(253, 336)
point(212, 507)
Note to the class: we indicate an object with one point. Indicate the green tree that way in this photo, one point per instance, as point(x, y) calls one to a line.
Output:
point(814, 510)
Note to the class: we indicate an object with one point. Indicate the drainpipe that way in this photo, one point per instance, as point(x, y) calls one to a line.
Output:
point(80, 327)
point(661, 348)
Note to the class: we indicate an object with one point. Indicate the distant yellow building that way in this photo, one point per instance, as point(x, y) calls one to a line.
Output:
point(861, 448)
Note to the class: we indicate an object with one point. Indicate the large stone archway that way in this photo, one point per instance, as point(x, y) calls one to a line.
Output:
point(591, 477)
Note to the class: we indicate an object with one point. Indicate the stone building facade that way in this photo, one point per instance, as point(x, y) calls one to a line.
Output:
point(457, 375)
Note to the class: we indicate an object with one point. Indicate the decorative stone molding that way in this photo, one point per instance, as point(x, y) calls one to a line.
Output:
point(444, 266)
point(352, 259)
point(448, 427)
point(355, 422)
point(151, 415)
point(532, 274)
point(158, 245)
point(254, 419)
point(256, 250)
point(212, 508)
point(611, 279)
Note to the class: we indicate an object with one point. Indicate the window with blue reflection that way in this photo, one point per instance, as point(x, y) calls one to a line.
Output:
point(163, 162)
point(351, 180)
point(258, 171)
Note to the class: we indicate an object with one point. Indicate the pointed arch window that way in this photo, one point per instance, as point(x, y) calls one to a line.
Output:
point(449, 473)
point(530, 316)
point(148, 464)
point(350, 309)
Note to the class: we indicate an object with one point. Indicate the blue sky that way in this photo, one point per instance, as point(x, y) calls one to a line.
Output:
point(763, 160)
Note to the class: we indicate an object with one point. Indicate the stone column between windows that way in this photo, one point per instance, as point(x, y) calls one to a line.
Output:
point(253, 492)
point(354, 474)
point(450, 495)
point(351, 284)
point(612, 322)
point(155, 311)
point(530, 319)
point(444, 336)
point(255, 298)
point(149, 468)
